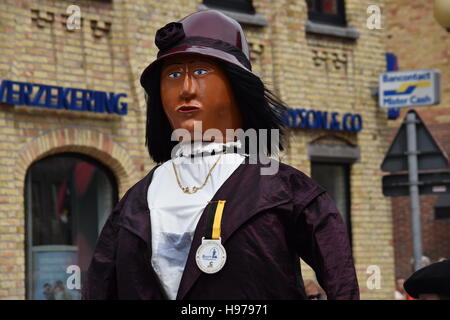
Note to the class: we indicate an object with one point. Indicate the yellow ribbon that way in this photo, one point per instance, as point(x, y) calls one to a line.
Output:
point(218, 220)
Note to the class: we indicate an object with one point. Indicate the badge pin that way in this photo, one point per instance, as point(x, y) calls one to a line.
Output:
point(211, 255)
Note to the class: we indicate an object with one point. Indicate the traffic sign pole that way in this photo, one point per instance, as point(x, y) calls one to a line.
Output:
point(411, 138)
point(415, 150)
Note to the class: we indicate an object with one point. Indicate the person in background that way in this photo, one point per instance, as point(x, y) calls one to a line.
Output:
point(48, 292)
point(425, 261)
point(431, 282)
point(400, 293)
point(60, 291)
point(314, 291)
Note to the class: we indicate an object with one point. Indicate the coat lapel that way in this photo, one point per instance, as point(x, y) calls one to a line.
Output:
point(135, 212)
point(247, 192)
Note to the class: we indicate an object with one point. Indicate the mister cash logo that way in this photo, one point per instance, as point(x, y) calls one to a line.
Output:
point(401, 89)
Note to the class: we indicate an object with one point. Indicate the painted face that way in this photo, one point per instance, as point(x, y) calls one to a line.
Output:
point(195, 88)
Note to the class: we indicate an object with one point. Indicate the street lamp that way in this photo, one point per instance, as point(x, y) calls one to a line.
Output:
point(442, 13)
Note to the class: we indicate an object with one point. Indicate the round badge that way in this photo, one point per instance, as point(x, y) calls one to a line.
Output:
point(210, 256)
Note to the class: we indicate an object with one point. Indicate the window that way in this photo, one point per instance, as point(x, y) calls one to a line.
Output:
point(335, 178)
point(442, 207)
point(245, 6)
point(68, 198)
point(327, 11)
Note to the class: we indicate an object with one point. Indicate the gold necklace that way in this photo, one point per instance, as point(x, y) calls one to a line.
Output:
point(194, 188)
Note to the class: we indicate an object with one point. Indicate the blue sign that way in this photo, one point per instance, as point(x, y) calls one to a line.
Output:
point(413, 88)
point(54, 97)
point(314, 119)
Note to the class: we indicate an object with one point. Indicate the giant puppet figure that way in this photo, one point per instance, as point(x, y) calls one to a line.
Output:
point(206, 223)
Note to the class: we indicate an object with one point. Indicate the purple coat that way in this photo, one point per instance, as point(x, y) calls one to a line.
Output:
point(268, 223)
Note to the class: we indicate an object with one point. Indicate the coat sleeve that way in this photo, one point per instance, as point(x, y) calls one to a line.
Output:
point(322, 242)
point(100, 280)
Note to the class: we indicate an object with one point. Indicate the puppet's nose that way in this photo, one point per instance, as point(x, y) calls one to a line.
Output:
point(189, 89)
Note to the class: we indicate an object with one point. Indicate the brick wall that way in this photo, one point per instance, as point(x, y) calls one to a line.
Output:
point(109, 53)
point(435, 239)
point(36, 47)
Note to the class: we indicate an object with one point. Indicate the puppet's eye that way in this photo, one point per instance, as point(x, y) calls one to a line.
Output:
point(174, 74)
point(200, 72)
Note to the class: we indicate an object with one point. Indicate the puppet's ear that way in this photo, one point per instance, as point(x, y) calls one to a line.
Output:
point(169, 35)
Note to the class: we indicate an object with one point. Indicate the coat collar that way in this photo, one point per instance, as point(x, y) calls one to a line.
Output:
point(246, 191)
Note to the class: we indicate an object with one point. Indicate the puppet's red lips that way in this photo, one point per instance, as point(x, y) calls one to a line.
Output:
point(186, 109)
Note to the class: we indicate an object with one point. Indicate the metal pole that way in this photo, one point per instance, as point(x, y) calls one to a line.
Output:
point(411, 138)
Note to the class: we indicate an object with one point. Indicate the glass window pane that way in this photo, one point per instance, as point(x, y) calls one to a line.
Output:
point(334, 178)
point(233, 5)
point(71, 198)
point(329, 6)
point(311, 4)
point(331, 12)
point(442, 207)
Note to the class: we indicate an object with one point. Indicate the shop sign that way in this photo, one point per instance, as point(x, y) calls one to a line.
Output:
point(55, 97)
point(401, 89)
point(315, 119)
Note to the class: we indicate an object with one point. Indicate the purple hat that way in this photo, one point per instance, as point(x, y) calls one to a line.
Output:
point(209, 33)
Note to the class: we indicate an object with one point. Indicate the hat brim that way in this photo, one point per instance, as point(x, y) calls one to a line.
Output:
point(434, 278)
point(148, 72)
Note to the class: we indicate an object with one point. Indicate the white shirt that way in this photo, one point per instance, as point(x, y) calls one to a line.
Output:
point(174, 214)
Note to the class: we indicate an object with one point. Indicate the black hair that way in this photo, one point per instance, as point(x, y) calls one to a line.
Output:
point(259, 108)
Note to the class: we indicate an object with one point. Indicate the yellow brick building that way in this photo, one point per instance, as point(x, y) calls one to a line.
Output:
point(316, 55)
